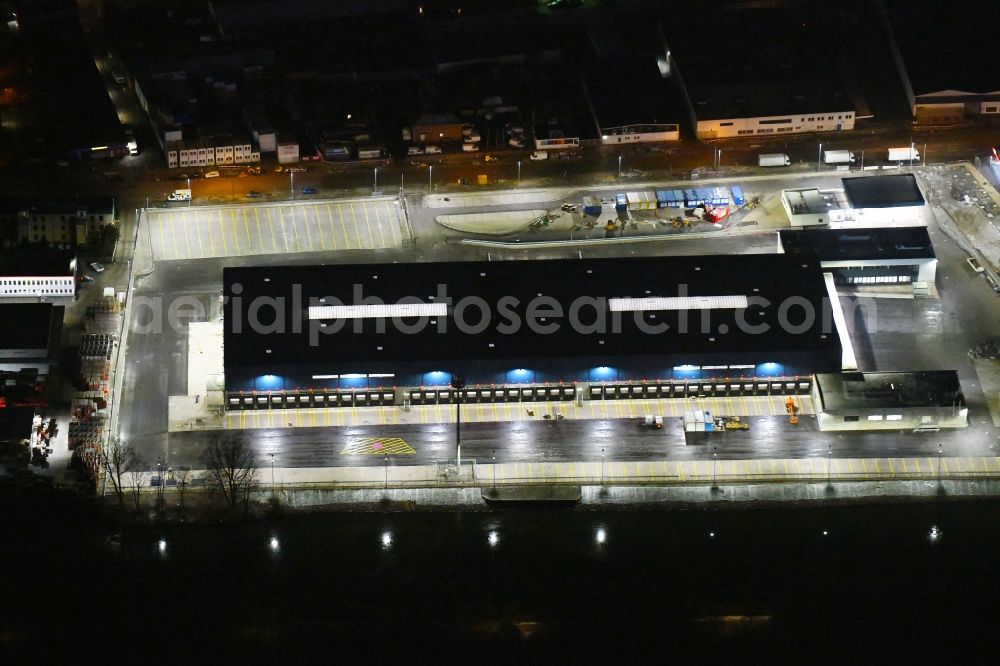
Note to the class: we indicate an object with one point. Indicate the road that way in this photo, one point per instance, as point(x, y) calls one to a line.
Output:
point(576, 440)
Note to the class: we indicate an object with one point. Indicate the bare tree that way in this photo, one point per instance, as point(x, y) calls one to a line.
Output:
point(231, 467)
point(182, 474)
point(118, 458)
point(137, 475)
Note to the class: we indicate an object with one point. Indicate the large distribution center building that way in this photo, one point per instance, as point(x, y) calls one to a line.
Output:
point(554, 328)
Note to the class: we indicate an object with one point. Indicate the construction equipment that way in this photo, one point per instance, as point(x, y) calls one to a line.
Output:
point(731, 423)
point(793, 410)
point(734, 423)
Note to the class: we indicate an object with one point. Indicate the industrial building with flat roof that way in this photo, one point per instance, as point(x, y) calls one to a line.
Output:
point(868, 256)
point(526, 322)
point(869, 201)
point(926, 400)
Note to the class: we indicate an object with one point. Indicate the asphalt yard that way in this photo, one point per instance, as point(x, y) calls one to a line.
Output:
point(519, 411)
point(290, 227)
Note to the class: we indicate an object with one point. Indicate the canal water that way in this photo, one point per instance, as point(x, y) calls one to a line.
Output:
point(864, 582)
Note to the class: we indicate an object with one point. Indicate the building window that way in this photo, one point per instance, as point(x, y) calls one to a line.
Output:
point(725, 124)
point(851, 419)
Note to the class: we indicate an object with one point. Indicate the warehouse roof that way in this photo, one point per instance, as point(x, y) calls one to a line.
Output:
point(873, 244)
point(584, 290)
point(28, 326)
point(883, 191)
point(874, 390)
point(36, 260)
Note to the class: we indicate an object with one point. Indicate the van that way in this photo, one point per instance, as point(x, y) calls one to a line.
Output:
point(538, 156)
point(432, 150)
point(415, 150)
point(470, 147)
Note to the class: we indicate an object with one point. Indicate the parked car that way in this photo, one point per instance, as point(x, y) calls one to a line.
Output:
point(993, 283)
point(975, 265)
point(97, 268)
point(296, 169)
point(415, 150)
point(538, 156)
point(86, 279)
point(470, 147)
point(569, 208)
point(254, 194)
point(515, 142)
point(211, 174)
point(489, 158)
point(309, 190)
point(433, 150)
point(279, 169)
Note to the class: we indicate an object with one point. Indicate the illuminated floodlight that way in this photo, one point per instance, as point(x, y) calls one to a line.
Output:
point(275, 544)
point(729, 302)
point(493, 538)
point(600, 536)
point(381, 311)
point(386, 539)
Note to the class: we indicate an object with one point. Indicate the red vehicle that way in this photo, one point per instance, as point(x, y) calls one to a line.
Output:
point(717, 214)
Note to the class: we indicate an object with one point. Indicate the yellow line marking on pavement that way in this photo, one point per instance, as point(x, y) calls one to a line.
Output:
point(173, 236)
point(184, 230)
point(371, 237)
point(246, 225)
point(260, 236)
point(333, 232)
point(357, 229)
point(222, 234)
point(343, 227)
point(319, 227)
point(236, 234)
point(162, 232)
point(197, 229)
point(305, 223)
point(270, 226)
point(291, 223)
point(378, 223)
point(377, 446)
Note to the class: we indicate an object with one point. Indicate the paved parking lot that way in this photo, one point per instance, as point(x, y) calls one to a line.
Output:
point(198, 233)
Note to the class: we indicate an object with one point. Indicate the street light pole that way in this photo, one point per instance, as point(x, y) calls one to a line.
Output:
point(619, 167)
point(272, 474)
point(862, 159)
point(602, 467)
point(715, 460)
point(519, 173)
point(190, 196)
point(291, 175)
point(430, 180)
point(829, 456)
point(457, 384)
point(940, 453)
point(375, 185)
point(494, 469)
point(819, 156)
point(387, 471)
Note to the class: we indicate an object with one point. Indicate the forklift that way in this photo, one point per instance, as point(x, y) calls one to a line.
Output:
point(792, 409)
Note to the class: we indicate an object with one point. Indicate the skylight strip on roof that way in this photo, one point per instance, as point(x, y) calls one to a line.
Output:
point(732, 302)
point(378, 311)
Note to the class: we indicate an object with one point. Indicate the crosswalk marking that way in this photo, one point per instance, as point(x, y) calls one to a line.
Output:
point(377, 446)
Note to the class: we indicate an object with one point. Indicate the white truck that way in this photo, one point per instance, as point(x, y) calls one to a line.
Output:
point(179, 195)
point(838, 157)
point(904, 154)
point(773, 160)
